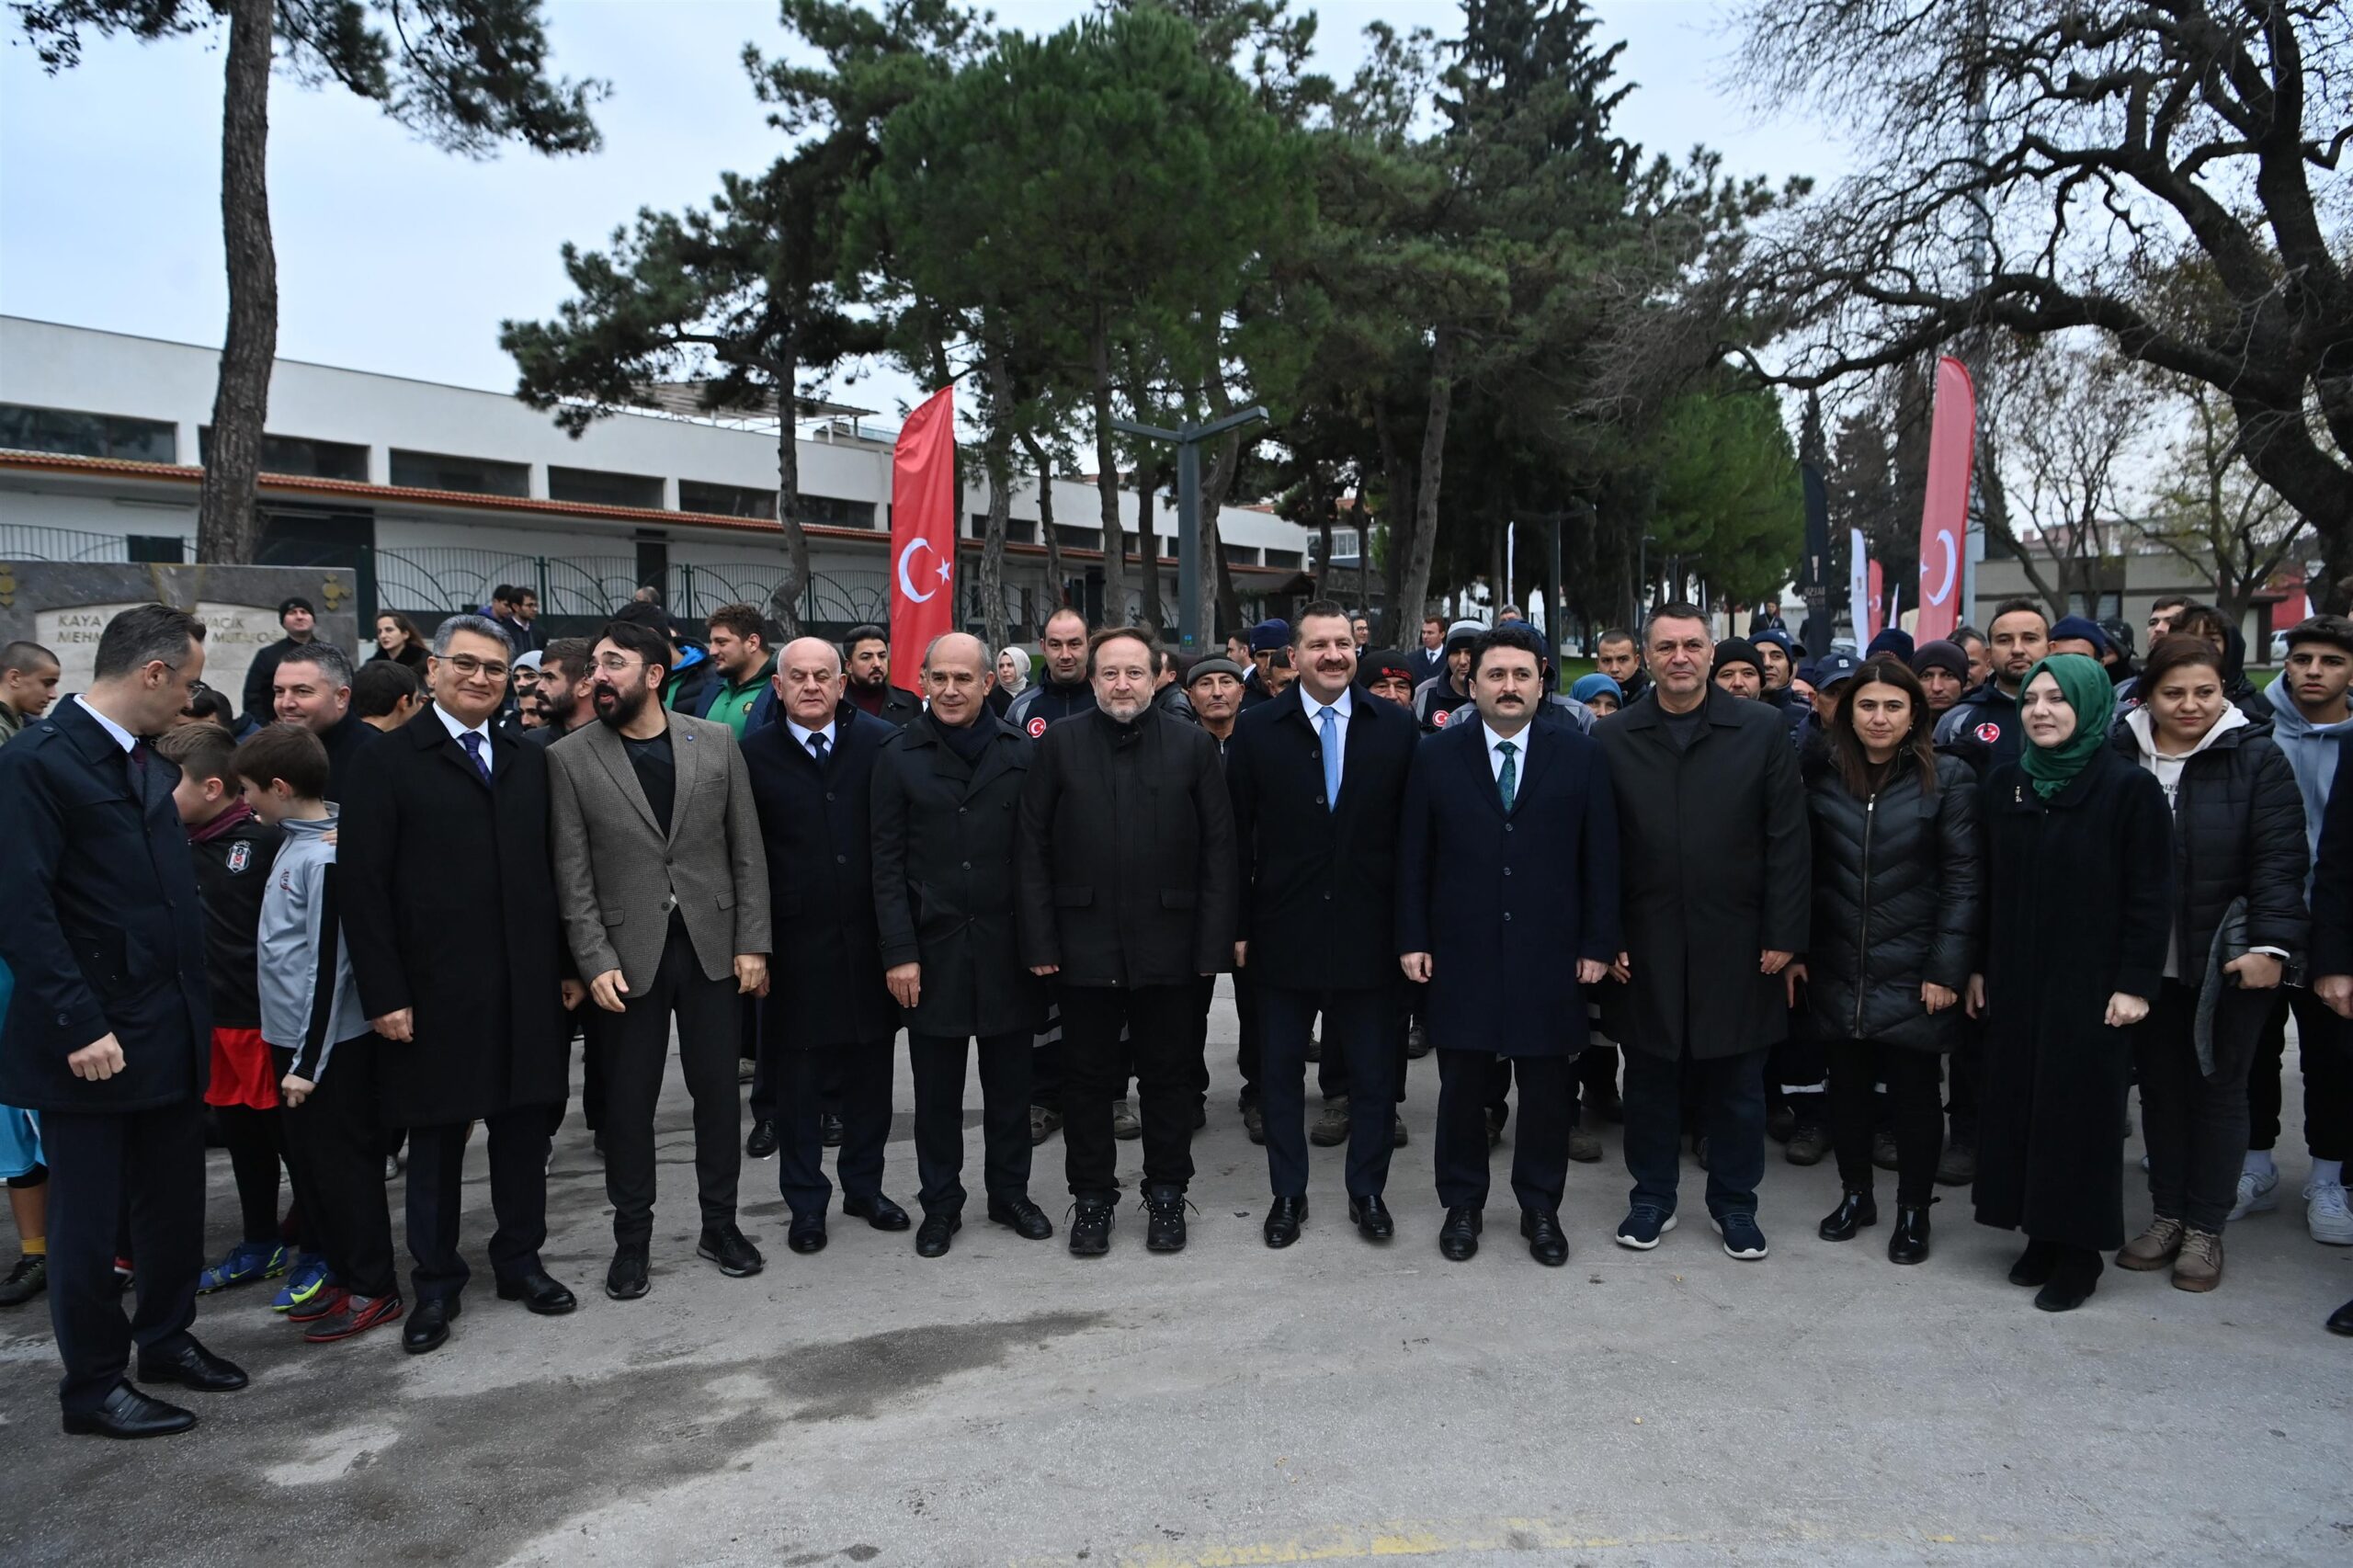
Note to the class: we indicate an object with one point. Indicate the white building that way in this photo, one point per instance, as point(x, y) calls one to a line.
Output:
point(434, 494)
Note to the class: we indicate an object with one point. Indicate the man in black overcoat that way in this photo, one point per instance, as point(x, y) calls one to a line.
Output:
point(1318, 778)
point(449, 913)
point(110, 1033)
point(828, 1007)
point(1717, 885)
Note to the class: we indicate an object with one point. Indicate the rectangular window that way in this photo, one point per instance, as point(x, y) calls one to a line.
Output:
point(64, 431)
point(168, 550)
point(1240, 555)
point(1017, 531)
point(471, 476)
point(826, 511)
point(726, 500)
point(1077, 538)
point(298, 457)
point(1286, 558)
point(595, 487)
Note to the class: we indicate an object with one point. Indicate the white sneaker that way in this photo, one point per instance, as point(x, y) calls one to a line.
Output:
point(2326, 1214)
point(2255, 1193)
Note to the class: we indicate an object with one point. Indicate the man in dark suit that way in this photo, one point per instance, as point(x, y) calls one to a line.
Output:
point(1318, 778)
point(1126, 876)
point(946, 794)
point(827, 1010)
point(450, 910)
point(1507, 870)
point(110, 1034)
point(1718, 877)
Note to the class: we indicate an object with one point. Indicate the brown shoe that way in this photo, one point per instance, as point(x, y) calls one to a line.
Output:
point(1331, 1125)
point(2200, 1267)
point(2153, 1248)
point(1584, 1147)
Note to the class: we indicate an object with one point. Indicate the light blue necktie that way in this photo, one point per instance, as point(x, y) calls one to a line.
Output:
point(1331, 759)
point(1509, 779)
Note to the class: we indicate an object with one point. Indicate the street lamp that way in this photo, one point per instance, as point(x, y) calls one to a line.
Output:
point(1187, 440)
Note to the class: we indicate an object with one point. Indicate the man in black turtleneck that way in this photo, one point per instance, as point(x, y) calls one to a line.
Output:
point(1062, 690)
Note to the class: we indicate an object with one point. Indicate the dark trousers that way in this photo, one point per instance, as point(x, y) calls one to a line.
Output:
point(1046, 1075)
point(1596, 1072)
point(149, 1164)
point(517, 1141)
point(2325, 1043)
point(2196, 1124)
point(1729, 1097)
point(1794, 1072)
point(1359, 1032)
point(256, 1148)
point(333, 1146)
point(1331, 1072)
point(802, 1078)
point(1960, 1085)
point(635, 1048)
point(1095, 1065)
point(1540, 1156)
point(938, 1064)
point(1913, 1078)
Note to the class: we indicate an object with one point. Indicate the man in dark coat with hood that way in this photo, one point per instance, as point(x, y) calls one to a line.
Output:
point(1716, 869)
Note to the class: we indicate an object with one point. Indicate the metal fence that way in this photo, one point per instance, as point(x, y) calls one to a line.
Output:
point(25, 541)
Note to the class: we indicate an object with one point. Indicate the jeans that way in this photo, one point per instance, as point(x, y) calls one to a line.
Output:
point(2196, 1125)
point(1913, 1078)
point(1730, 1100)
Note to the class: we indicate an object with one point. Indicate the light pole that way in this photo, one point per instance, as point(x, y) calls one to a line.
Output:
point(1188, 440)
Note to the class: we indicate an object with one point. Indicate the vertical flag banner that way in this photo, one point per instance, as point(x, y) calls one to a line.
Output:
point(922, 534)
point(1944, 519)
point(1858, 586)
point(1879, 601)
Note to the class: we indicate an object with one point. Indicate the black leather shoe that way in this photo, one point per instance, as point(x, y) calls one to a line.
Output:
point(1022, 1217)
point(128, 1414)
point(1370, 1216)
point(191, 1366)
point(1458, 1239)
point(625, 1279)
point(1283, 1221)
point(1546, 1243)
point(831, 1129)
point(808, 1234)
point(2074, 1275)
point(726, 1246)
point(538, 1293)
point(1909, 1242)
point(2341, 1320)
point(933, 1236)
point(428, 1327)
point(878, 1211)
point(1855, 1211)
point(761, 1144)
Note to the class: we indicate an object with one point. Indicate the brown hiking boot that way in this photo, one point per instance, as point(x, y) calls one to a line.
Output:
point(2154, 1247)
point(2200, 1267)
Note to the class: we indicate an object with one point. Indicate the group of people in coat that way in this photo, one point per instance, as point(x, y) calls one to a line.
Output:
point(1678, 870)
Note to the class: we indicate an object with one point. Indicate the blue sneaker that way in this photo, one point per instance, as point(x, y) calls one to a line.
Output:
point(308, 1277)
point(1743, 1240)
point(1642, 1226)
point(247, 1262)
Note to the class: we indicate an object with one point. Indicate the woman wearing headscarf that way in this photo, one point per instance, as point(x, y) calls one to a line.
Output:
point(1600, 693)
point(2237, 914)
point(2078, 898)
point(1012, 677)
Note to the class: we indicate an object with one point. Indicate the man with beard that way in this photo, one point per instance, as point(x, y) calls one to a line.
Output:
point(1983, 728)
point(1739, 669)
point(563, 689)
point(1063, 693)
point(866, 656)
point(740, 649)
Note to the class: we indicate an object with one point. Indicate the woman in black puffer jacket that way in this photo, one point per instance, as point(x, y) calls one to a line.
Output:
point(1895, 913)
point(2240, 860)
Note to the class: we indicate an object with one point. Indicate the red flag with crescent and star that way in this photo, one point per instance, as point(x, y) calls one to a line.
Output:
point(1943, 518)
point(922, 534)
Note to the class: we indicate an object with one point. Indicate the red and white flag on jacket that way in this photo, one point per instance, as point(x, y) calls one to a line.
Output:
point(922, 534)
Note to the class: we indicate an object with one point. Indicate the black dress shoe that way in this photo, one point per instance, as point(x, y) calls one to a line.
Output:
point(538, 1293)
point(830, 1127)
point(761, 1144)
point(1370, 1216)
point(625, 1279)
point(128, 1414)
point(2074, 1275)
point(1458, 1239)
point(933, 1236)
point(1546, 1243)
point(1024, 1218)
point(878, 1211)
point(1909, 1242)
point(1283, 1221)
point(2035, 1264)
point(726, 1246)
point(428, 1327)
point(1855, 1211)
point(191, 1366)
point(808, 1234)
point(2341, 1320)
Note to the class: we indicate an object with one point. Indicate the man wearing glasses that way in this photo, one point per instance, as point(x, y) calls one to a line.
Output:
point(450, 910)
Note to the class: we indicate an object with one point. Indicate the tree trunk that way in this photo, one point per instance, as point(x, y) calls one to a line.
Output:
point(1382, 631)
point(1217, 481)
point(227, 528)
point(1399, 519)
point(1148, 546)
point(997, 462)
point(2282, 454)
point(1432, 465)
point(792, 588)
point(1056, 595)
point(1106, 486)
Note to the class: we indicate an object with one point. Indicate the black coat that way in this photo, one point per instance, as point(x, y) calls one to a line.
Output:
point(1126, 856)
point(1983, 729)
point(817, 826)
point(2331, 940)
point(233, 856)
point(2077, 892)
point(100, 923)
point(2238, 831)
point(1319, 886)
point(1714, 864)
point(447, 888)
point(1894, 904)
point(898, 708)
point(1504, 905)
point(943, 879)
point(345, 740)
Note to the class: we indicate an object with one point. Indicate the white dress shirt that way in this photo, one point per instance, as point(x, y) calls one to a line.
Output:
point(122, 737)
point(801, 737)
point(458, 731)
point(1496, 757)
point(1341, 713)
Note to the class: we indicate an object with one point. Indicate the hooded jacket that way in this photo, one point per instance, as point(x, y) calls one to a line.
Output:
point(2311, 750)
point(309, 999)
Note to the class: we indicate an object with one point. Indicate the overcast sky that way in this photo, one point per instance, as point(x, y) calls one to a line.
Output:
point(395, 257)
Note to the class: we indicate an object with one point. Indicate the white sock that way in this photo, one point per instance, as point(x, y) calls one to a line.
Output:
point(2259, 1162)
point(2328, 1173)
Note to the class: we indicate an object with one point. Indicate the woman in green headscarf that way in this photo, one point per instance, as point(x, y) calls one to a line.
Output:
point(2077, 886)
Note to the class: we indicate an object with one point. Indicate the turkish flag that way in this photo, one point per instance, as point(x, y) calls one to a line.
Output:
point(922, 534)
point(1944, 519)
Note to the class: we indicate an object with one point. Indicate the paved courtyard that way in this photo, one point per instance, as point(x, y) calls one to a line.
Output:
point(1332, 1403)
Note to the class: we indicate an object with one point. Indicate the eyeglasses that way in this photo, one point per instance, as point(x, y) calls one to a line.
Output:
point(468, 666)
point(616, 664)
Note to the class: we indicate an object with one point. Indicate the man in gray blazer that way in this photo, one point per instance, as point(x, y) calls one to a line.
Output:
point(663, 888)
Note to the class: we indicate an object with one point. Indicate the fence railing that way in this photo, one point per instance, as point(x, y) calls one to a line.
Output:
point(28, 541)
